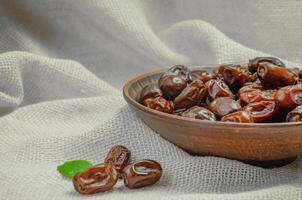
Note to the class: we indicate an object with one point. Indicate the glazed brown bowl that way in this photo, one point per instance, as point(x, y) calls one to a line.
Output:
point(262, 143)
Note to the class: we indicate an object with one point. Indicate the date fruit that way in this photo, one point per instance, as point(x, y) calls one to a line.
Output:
point(263, 111)
point(142, 173)
point(119, 157)
point(174, 80)
point(171, 86)
point(254, 63)
point(150, 91)
point(234, 75)
point(239, 117)
point(275, 76)
point(191, 95)
point(247, 96)
point(99, 178)
point(223, 106)
point(201, 75)
point(198, 112)
point(254, 85)
point(295, 115)
point(287, 98)
point(160, 104)
point(218, 88)
point(181, 71)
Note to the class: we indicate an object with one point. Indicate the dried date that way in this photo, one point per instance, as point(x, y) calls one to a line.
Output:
point(247, 96)
point(218, 88)
point(198, 112)
point(287, 98)
point(238, 117)
point(295, 115)
point(142, 173)
point(181, 71)
point(254, 63)
point(275, 76)
point(263, 111)
point(99, 178)
point(160, 104)
point(119, 157)
point(191, 95)
point(201, 75)
point(223, 106)
point(150, 91)
point(171, 86)
point(234, 75)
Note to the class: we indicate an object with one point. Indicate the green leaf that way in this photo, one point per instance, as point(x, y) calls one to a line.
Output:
point(70, 168)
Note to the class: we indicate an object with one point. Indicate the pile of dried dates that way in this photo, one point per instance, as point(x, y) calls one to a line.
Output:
point(260, 91)
point(102, 177)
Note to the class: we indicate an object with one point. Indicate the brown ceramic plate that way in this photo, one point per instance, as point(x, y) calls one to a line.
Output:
point(269, 143)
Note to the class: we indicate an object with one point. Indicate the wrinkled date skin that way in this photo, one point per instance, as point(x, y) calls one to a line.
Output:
point(198, 112)
point(171, 86)
point(223, 106)
point(160, 104)
point(254, 85)
point(247, 96)
point(263, 111)
point(181, 71)
point(295, 115)
point(275, 76)
point(218, 88)
point(142, 173)
point(119, 157)
point(174, 80)
point(254, 63)
point(287, 98)
point(150, 91)
point(99, 178)
point(234, 75)
point(239, 117)
point(201, 75)
point(191, 95)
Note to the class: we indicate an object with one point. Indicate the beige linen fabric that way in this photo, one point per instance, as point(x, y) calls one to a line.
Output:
point(62, 67)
